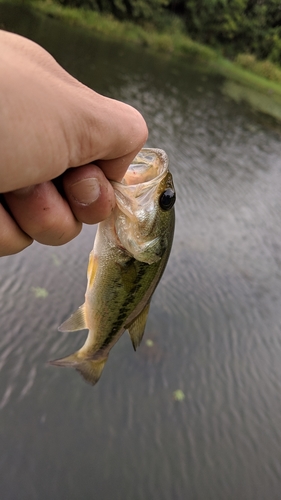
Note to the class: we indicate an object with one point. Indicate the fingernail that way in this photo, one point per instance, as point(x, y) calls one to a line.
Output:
point(85, 191)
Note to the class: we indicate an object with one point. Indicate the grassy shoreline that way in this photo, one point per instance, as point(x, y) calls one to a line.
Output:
point(172, 43)
point(169, 42)
point(107, 26)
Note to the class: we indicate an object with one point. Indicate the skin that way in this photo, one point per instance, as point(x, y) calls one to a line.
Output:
point(120, 285)
point(60, 144)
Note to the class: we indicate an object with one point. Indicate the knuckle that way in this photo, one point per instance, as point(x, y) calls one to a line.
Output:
point(139, 130)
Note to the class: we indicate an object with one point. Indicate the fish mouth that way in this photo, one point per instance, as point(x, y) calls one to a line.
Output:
point(136, 193)
point(147, 167)
point(147, 170)
point(137, 200)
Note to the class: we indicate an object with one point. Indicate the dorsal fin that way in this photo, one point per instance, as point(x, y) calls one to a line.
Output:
point(136, 328)
point(76, 321)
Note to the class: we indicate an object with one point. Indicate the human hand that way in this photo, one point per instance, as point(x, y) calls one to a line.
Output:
point(52, 127)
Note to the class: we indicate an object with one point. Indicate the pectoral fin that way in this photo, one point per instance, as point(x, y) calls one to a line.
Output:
point(90, 369)
point(136, 328)
point(76, 321)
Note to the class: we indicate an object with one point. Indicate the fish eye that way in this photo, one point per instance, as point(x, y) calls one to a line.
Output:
point(167, 199)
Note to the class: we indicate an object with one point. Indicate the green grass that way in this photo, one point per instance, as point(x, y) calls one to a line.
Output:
point(106, 25)
point(266, 69)
point(235, 72)
point(262, 76)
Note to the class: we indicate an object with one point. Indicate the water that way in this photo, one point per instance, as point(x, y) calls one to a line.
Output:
point(215, 319)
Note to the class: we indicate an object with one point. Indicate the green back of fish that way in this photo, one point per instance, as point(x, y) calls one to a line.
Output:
point(123, 287)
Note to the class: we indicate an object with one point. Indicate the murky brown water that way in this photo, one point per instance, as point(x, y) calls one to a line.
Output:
point(215, 320)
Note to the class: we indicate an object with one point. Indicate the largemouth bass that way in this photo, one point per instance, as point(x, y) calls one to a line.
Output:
point(130, 252)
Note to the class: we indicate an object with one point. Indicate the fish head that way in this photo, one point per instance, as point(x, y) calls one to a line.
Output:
point(144, 218)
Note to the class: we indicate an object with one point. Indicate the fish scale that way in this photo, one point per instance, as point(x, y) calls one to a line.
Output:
point(130, 253)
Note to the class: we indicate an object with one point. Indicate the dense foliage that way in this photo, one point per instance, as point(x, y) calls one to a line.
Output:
point(252, 26)
point(124, 9)
point(232, 26)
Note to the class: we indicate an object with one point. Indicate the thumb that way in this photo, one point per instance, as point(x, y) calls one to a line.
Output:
point(51, 122)
point(110, 133)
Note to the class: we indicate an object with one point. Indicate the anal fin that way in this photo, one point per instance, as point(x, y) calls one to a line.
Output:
point(137, 327)
point(75, 322)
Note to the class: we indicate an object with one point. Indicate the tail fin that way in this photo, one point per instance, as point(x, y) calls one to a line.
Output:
point(90, 369)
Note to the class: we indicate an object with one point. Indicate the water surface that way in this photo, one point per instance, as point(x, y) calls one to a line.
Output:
point(215, 319)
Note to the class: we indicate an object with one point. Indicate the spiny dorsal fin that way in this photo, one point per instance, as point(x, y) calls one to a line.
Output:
point(75, 322)
point(136, 328)
point(90, 369)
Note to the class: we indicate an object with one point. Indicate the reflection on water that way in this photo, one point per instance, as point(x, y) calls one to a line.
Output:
point(258, 100)
point(214, 326)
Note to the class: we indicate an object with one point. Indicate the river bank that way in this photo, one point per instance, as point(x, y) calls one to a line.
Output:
point(258, 83)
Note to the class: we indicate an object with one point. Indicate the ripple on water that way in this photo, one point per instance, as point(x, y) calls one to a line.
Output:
point(214, 322)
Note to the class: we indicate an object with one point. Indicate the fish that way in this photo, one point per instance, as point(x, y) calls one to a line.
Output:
point(130, 253)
